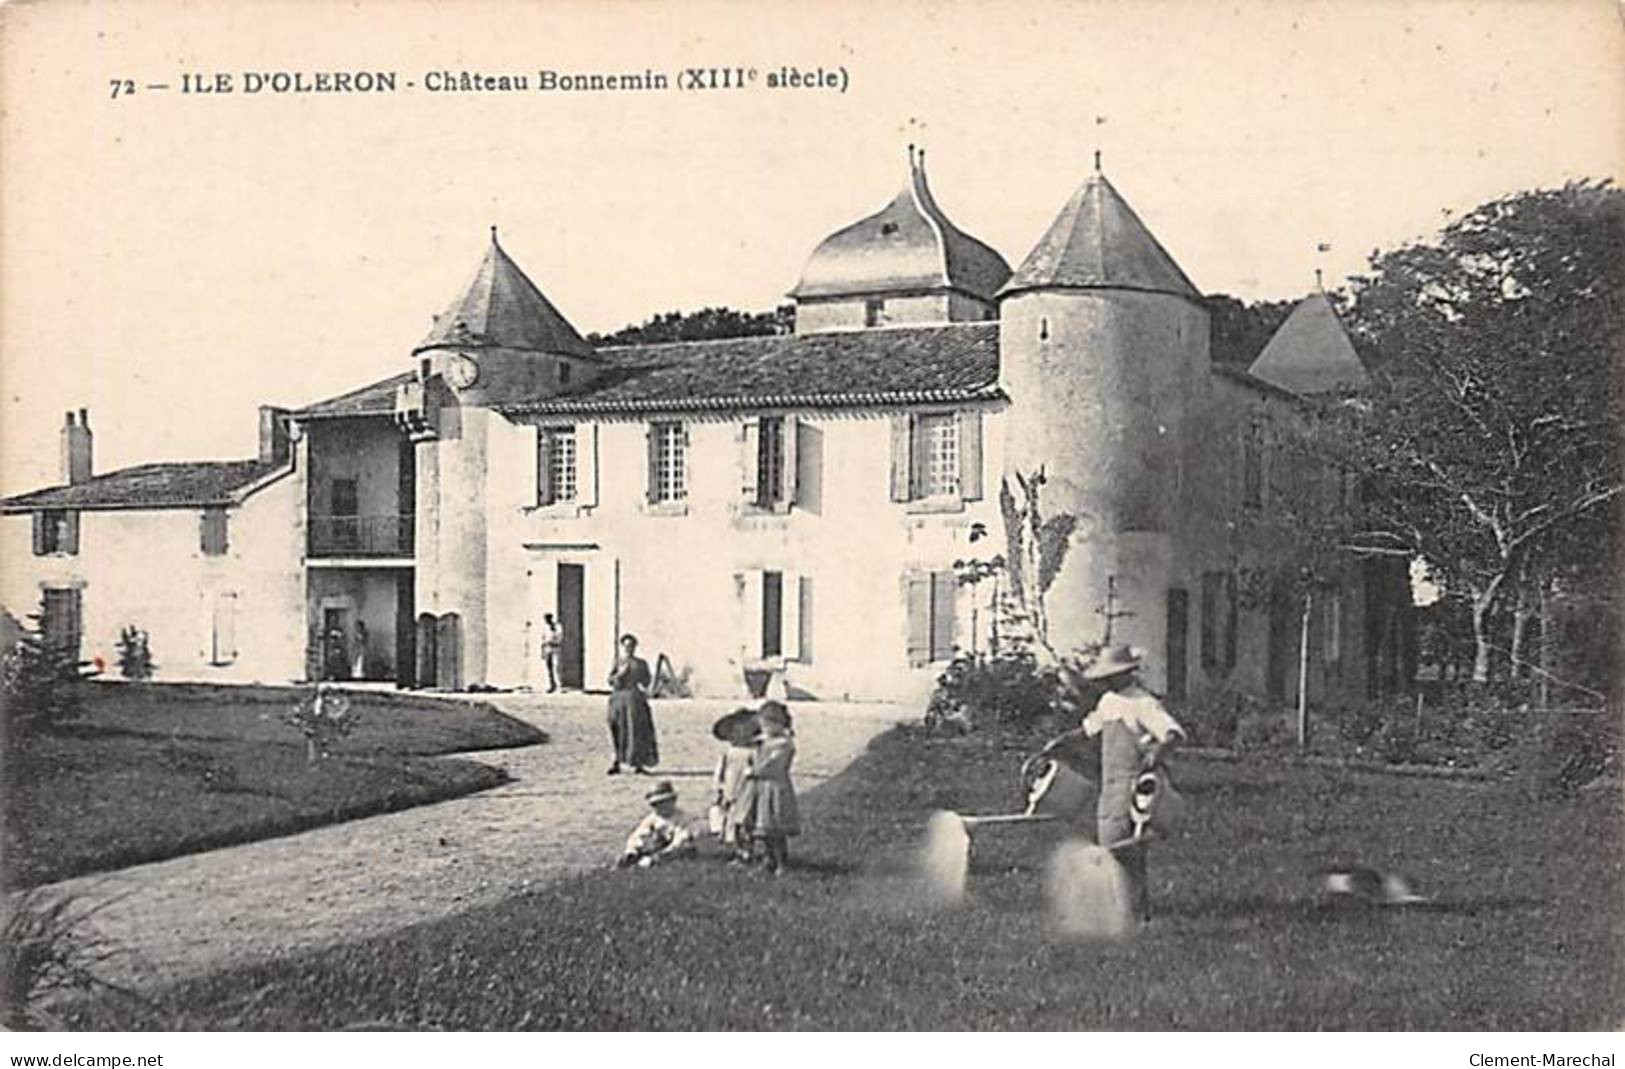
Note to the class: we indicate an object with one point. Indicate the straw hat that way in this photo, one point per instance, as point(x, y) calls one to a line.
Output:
point(738, 726)
point(661, 792)
point(1113, 661)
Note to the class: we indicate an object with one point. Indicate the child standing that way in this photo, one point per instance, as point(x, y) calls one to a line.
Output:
point(663, 835)
point(737, 731)
point(773, 813)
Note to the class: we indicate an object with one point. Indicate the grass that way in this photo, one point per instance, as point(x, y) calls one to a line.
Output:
point(1525, 933)
point(145, 774)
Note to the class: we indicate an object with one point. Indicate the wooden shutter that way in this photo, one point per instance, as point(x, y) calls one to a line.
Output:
point(944, 592)
point(803, 649)
point(753, 614)
point(1211, 583)
point(214, 532)
point(653, 439)
point(224, 629)
point(970, 455)
point(544, 466)
point(587, 464)
point(917, 608)
point(70, 532)
point(902, 459)
point(790, 615)
point(791, 429)
point(41, 519)
point(750, 438)
point(1230, 620)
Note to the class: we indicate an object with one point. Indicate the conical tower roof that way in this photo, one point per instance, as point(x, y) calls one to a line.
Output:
point(907, 246)
point(1311, 352)
point(1097, 242)
point(502, 309)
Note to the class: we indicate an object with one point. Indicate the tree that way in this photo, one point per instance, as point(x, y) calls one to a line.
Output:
point(1487, 439)
point(1240, 331)
point(705, 324)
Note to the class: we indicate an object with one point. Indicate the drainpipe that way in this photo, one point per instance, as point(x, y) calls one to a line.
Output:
point(1303, 673)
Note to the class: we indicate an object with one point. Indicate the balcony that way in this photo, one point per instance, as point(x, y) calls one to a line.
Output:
point(361, 536)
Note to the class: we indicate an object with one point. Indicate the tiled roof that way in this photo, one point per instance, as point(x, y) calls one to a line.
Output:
point(1097, 242)
point(907, 246)
point(502, 308)
point(175, 485)
point(1311, 353)
point(377, 399)
point(893, 365)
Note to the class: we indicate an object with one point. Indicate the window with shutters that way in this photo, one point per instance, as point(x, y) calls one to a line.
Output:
point(770, 461)
point(772, 614)
point(931, 598)
point(668, 463)
point(56, 531)
point(62, 619)
point(937, 458)
point(223, 629)
point(556, 476)
point(1252, 467)
point(214, 541)
point(776, 621)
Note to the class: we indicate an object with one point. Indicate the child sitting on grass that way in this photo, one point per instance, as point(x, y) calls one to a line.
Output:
point(663, 835)
point(774, 816)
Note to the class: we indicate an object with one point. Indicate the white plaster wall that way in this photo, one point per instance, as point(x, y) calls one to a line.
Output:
point(850, 314)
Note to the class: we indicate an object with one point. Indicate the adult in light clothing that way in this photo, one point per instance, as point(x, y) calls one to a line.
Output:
point(631, 725)
point(552, 643)
point(358, 653)
point(1135, 732)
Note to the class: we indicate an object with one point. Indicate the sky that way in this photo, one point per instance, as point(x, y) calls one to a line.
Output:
point(172, 261)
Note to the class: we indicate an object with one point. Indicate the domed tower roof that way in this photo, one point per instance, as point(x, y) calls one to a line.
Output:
point(907, 246)
point(1097, 242)
point(1311, 353)
point(502, 309)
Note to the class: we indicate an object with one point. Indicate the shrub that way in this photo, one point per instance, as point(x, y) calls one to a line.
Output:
point(1216, 717)
point(1262, 729)
point(323, 717)
point(1008, 688)
point(134, 654)
point(47, 949)
point(38, 683)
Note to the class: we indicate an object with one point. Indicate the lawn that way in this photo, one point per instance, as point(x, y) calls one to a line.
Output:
point(149, 772)
point(1525, 933)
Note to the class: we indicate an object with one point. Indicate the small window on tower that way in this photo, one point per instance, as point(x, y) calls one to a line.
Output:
point(423, 370)
point(564, 373)
point(874, 312)
point(888, 228)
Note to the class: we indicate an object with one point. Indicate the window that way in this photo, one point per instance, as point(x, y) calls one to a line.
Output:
point(344, 508)
point(1334, 631)
point(770, 460)
point(668, 463)
point(937, 456)
point(564, 373)
point(56, 531)
point(214, 532)
point(62, 620)
point(930, 598)
point(772, 614)
point(555, 465)
point(223, 629)
point(1252, 467)
point(1218, 621)
point(874, 312)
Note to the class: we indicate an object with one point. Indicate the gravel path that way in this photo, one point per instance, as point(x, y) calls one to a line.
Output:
point(561, 815)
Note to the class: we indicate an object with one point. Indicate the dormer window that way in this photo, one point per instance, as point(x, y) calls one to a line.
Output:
point(423, 369)
point(888, 228)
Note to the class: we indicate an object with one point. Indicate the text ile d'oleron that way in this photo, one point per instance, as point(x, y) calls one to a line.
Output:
point(545, 80)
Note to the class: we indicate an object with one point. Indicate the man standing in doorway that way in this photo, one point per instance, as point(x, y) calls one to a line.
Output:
point(552, 643)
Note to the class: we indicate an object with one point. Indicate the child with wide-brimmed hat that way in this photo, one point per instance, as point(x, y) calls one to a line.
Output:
point(663, 835)
point(774, 816)
point(730, 811)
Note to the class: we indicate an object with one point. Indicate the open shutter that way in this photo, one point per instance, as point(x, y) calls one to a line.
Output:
point(750, 445)
point(544, 466)
point(587, 464)
point(944, 592)
point(917, 608)
point(224, 643)
point(41, 519)
point(970, 455)
point(653, 439)
point(902, 460)
point(790, 614)
point(804, 619)
point(791, 429)
point(70, 532)
point(753, 614)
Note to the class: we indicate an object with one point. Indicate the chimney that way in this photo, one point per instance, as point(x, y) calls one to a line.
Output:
point(76, 443)
point(274, 442)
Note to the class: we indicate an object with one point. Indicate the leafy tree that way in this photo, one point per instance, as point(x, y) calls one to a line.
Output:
point(1239, 330)
point(707, 323)
point(1486, 441)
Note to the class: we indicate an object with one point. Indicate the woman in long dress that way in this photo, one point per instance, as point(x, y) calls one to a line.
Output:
point(631, 726)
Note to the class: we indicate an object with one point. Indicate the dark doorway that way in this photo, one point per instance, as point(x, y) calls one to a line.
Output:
point(405, 639)
point(1178, 624)
point(448, 648)
point(572, 614)
point(335, 643)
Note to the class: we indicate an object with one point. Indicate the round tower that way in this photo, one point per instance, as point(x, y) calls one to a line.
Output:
point(1103, 349)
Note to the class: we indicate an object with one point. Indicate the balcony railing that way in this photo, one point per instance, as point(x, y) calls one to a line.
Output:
point(361, 536)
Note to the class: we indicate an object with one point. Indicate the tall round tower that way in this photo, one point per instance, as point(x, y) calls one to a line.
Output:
point(1103, 349)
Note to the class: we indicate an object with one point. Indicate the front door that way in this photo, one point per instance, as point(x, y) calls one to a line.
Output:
point(335, 643)
point(572, 617)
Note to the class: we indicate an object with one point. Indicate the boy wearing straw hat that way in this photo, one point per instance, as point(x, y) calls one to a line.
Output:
point(1135, 731)
point(663, 835)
